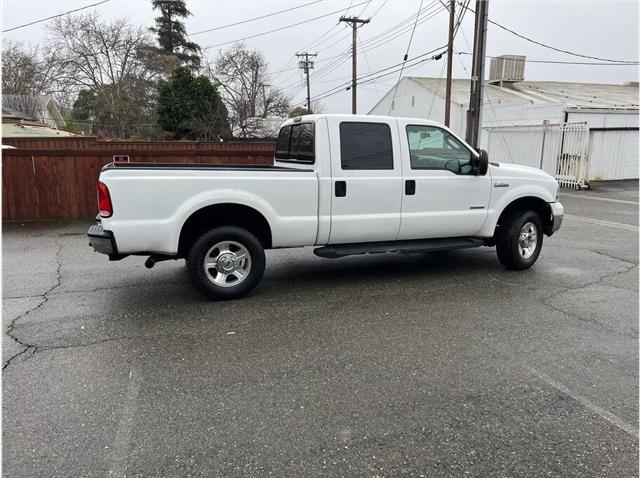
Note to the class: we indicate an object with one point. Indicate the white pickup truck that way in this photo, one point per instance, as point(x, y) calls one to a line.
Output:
point(348, 184)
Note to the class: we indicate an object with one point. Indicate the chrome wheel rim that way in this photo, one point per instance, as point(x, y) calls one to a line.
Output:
point(227, 263)
point(528, 240)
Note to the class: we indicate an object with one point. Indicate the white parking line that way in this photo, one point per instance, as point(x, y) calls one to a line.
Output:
point(584, 196)
point(120, 450)
point(610, 417)
point(600, 222)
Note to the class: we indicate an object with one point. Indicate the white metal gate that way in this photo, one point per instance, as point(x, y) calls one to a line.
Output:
point(559, 149)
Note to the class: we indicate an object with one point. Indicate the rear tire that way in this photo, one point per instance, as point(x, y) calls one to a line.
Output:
point(226, 262)
point(519, 240)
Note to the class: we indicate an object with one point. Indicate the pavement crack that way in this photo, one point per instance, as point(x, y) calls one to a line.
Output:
point(26, 348)
point(595, 251)
point(17, 297)
point(606, 254)
point(546, 300)
point(44, 298)
point(87, 344)
point(116, 287)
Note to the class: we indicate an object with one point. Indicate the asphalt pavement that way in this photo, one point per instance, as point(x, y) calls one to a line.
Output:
point(386, 365)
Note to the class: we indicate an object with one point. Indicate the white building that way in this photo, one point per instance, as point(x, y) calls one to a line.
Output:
point(610, 112)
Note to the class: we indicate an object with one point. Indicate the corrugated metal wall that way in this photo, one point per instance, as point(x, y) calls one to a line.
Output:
point(613, 154)
point(55, 178)
point(613, 141)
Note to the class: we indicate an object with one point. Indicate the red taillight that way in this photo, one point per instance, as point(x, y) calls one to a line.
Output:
point(104, 200)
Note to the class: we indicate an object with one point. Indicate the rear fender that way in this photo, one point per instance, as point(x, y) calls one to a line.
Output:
point(220, 196)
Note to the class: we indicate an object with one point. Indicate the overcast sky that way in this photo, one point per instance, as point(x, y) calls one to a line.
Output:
point(601, 29)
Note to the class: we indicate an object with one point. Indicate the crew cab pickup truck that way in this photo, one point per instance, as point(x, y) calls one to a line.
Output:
point(347, 184)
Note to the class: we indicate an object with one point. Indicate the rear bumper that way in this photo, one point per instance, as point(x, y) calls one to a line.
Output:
point(557, 213)
point(102, 241)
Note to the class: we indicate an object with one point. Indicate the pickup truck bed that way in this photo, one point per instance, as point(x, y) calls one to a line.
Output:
point(203, 166)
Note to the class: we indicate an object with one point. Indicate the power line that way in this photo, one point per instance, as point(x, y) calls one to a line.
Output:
point(384, 37)
point(317, 41)
point(54, 16)
point(379, 8)
point(372, 43)
point(436, 57)
point(526, 60)
point(254, 18)
point(281, 28)
point(425, 13)
point(363, 9)
point(368, 64)
point(375, 78)
point(379, 40)
point(433, 97)
point(406, 56)
point(370, 76)
point(519, 35)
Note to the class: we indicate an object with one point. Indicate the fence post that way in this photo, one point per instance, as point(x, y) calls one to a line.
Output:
point(544, 135)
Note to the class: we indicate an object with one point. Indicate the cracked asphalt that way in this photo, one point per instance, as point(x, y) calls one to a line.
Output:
point(415, 365)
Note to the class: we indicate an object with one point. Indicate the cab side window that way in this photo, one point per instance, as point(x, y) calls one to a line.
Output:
point(433, 148)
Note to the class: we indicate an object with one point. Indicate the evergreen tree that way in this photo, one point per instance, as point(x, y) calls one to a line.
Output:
point(190, 107)
point(171, 33)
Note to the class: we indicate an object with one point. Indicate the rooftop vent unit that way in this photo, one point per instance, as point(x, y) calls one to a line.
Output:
point(507, 69)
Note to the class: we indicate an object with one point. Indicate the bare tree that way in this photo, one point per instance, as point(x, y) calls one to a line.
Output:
point(116, 63)
point(246, 88)
point(27, 74)
point(22, 69)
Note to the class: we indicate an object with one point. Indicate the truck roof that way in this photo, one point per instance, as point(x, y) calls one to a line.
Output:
point(358, 117)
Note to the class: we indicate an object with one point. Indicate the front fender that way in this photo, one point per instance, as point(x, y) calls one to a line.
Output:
point(513, 194)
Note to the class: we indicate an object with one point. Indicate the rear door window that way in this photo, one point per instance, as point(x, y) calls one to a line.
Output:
point(365, 146)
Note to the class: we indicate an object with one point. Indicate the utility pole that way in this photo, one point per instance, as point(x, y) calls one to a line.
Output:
point(307, 65)
point(354, 21)
point(477, 73)
point(447, 104)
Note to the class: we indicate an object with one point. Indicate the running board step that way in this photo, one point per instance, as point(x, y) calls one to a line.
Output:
point(422, 245)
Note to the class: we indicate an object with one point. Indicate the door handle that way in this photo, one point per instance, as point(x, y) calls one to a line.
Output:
point(410, 187)
point(341, 189)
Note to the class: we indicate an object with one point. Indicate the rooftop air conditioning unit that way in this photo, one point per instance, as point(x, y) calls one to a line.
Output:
point(507, 69)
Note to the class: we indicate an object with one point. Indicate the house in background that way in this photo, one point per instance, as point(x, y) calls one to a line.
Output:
point(609, 111)
point(31, 116)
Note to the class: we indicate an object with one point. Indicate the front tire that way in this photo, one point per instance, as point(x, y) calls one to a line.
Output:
point(226, 262)
point(519, 241)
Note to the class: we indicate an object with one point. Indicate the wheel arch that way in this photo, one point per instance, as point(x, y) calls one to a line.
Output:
point(227, 214)
point(526, 203)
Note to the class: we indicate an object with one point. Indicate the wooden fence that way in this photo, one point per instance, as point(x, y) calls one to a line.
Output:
point(55, 178)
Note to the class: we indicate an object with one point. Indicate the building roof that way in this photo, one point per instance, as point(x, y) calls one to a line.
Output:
point(17, 130)
point(32, 107)
point(13, 114)
point(581, 95)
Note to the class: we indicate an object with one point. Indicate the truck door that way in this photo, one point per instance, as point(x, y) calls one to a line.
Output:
point(441, 195)
point(367, 181)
